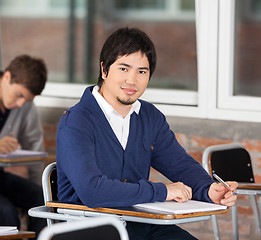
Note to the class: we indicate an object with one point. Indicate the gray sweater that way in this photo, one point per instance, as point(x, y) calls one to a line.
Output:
point(25, 125)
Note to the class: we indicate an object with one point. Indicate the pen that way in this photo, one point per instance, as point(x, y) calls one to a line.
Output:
point(222, 181)
point(10, 129)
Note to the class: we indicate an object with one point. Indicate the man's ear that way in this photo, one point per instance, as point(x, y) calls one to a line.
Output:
point(104, 74)
point(7, 76)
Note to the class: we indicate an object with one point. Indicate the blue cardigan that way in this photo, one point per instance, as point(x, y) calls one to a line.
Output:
point(93, 169)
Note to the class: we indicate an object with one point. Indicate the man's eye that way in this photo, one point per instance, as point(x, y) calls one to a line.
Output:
point(142, 72)
point(123, 69)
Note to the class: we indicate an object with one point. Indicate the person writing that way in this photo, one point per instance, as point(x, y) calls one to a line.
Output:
point(107, 143)
point(20, 127)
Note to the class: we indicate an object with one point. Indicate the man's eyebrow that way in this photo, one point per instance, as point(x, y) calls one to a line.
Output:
point(127, 65)
point(145, 68)
point(124, 64)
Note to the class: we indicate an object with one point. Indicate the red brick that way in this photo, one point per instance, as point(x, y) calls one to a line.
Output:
point(258, 160)
point(49, 143)
point(257, 178)
point(244, 227)
point(203, 142)
point(182, 139)
point(225, 226)
point(252, 144)
point(244, 210)
point(49, 129)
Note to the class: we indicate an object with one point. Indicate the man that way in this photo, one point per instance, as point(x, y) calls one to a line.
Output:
point(20, 127)
point(107, 143)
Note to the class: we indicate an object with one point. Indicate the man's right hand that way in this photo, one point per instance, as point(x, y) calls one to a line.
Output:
point(179, 192)
point(8, 144)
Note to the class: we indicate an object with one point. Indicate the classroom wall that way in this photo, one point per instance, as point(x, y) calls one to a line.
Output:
point(195, 135)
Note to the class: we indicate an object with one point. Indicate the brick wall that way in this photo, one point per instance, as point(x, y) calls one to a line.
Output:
point(197, 134)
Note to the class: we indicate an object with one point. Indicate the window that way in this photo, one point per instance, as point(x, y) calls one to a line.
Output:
point(239, 72)
point(70, 44)
point(208, 71)
point(153, 9)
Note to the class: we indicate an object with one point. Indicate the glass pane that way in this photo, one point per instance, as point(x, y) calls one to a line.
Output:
point(187, 5)
point(71, 47)
point(140, 4)
point(247, 79)
point(175, 39)
point(40, 34)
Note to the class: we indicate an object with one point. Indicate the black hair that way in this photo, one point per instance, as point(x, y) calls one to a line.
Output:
point(125, 41)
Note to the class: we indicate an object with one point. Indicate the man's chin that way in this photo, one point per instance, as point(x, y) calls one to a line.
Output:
point(126, 102)
point(9, 107)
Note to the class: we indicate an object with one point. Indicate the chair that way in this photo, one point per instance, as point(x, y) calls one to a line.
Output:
point(49, 184)
point(233, 162)
point(56, 211)
point(99, 228)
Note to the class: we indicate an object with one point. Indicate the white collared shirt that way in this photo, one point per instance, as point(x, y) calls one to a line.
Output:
point(119, 125)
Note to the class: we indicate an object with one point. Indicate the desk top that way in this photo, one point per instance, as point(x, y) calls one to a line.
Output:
point(133, 211)
point(18, 235)
point(253, 186)
point(20, 161)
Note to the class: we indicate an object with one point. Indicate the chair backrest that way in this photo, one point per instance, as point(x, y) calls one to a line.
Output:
point(49, 183)
point(229, 161)
point(98, 228)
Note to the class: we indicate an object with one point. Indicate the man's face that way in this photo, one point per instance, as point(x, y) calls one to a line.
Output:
point(127, 79)
point(14, 95)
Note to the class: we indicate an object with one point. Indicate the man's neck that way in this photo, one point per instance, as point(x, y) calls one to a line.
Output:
point(120, 108)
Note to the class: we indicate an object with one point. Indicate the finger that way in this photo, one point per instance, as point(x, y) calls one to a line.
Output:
point(230, 200)
point(218, 187)
point(232, 185)
point(188, 191)
point(181, 199)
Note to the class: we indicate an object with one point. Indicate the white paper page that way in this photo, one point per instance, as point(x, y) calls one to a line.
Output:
point(19, 153)
point(189, 206)
point(8, 230)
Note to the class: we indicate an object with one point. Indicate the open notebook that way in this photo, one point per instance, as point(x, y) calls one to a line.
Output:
point(4, 230)
point(23, 154)
point(189, 206)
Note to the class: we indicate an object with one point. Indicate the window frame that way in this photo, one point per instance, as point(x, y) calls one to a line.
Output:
point(214, 98)
point(171, 12)
point(43, 9)
point(247, 107)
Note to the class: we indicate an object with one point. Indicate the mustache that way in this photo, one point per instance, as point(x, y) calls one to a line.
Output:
point(129, 86)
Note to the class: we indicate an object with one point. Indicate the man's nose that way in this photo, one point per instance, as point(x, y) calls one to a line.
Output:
point(131, 78)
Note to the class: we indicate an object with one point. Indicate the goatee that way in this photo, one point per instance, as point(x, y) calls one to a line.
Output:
point(127, 102)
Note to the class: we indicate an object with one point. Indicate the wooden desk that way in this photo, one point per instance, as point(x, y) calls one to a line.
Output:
point(18, 235)
point(136, 214)
point(253, 186)
point(7, 162)
point(249, 188)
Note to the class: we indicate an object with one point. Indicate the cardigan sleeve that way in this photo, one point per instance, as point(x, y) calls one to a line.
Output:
point(171, 159)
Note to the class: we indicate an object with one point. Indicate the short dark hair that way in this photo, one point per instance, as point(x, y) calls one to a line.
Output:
point(29, 72)
point(125, 41)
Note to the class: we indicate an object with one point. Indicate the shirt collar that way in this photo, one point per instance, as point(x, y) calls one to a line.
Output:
point(107, 108)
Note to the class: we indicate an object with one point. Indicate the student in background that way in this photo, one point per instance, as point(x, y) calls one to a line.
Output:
point(107, 143)
point(20, 127)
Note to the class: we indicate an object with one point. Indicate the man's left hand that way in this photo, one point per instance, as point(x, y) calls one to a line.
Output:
point(219, 194)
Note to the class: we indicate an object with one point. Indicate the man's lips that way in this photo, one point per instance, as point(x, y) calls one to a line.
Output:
point(129, 91)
